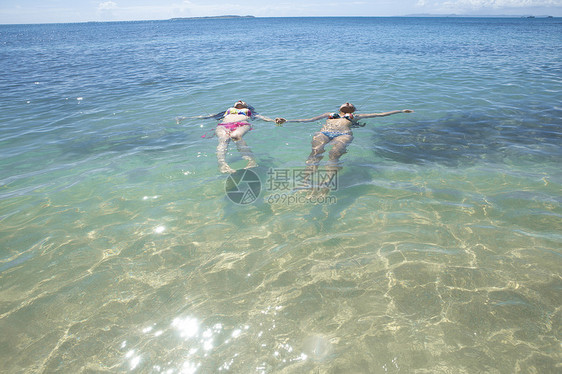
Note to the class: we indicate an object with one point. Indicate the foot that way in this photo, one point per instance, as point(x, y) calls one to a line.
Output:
point(251, 164)
point(318, 193)
point(226, 169)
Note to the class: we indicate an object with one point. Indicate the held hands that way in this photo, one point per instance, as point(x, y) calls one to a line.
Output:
point(279, 121)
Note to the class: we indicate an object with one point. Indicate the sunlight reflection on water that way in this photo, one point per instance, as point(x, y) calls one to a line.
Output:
point(196, 342)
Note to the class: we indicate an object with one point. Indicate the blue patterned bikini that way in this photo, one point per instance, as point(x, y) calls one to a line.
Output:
point(334, 134)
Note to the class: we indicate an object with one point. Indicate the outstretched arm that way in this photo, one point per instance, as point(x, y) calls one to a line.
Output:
point(371, 115)
point(205, 116)
point(264, 118)
point(325, 115)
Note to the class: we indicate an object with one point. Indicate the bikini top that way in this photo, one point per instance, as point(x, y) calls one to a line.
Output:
point(244, 112)
point(347, 116)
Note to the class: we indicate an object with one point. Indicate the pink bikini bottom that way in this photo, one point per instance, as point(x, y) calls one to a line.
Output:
point(231, 126)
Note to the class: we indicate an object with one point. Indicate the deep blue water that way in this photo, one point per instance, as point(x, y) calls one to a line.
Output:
point(439, 251)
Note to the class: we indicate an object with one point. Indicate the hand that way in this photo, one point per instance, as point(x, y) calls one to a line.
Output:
point(407, 111)
point(280, 121)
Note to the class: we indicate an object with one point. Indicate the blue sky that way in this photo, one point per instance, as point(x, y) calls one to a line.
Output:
point(48, 11)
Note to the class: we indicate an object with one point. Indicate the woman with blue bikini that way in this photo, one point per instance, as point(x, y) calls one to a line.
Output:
point(337, 131)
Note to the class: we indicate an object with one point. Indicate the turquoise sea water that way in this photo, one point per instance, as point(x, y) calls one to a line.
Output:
point(438, 252)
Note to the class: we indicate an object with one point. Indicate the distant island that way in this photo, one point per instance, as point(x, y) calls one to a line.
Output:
point(408, 16)
point(210, 17)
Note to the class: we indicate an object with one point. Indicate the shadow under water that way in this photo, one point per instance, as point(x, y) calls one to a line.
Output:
point(465, 140)
point(125, 142)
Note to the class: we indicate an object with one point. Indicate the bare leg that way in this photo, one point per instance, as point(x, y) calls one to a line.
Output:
point(243, 148)
point(224, 138)
point(319, 141)
point(246, 153)
point(339, 148)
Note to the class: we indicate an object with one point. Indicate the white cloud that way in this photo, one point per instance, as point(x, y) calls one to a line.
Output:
point(488, 6)
point(514, 3)
point(107, 5)
point(498, 3)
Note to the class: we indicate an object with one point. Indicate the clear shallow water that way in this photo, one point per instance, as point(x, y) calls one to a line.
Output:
point(120, 250)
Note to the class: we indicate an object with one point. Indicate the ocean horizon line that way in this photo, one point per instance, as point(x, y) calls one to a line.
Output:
point(222, 17)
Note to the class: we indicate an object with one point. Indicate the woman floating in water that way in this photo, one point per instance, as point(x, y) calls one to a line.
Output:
point(337, 131)
point(234, 124)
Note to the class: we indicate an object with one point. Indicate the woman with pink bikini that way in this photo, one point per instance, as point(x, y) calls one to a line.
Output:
point(234, 124)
